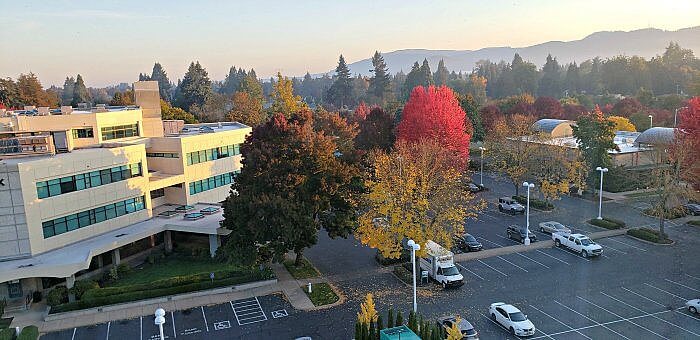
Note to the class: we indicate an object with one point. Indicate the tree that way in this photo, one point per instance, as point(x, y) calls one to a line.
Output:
point(233, 81)
point(340, 93)
point(361, 112)
point(688, 140)
point(67, 95)
point(31, 92)
point(195, 87)
point(251, 85)
point(122, 98)
point(9, 94)
point(426, 77)
point(376, 131)
point(164, 86)
point(490, 116)
point(550, 83)
point(553, 167)
point(524, 76)
point(399, 318)
point(476, 87)
point(390, 319)
point(454, 333)
point(434, 113)
point(214, 109)
point(380, 82)
point(291, 185)
point(548, 107)
point(413, 79)
point(471, 108)
point(572, 80)
point(283, 99)
point(368, 313)
point(441, 74)
point(246, 109)
point(595, 136)
point(175, 113)
point(415, 192)
point(622, 123)
point(509, 148)
point(80, 92)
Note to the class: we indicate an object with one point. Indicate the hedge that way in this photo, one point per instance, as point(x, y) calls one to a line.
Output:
point(7, 334)
point(29, 333)
point(607, 223)
point(648, 235)
point(166, 287)
point(57, 296)
point(534, 203)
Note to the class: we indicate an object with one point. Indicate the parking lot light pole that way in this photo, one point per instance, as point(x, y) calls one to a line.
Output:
point(481, 173)
point(651, 121)
point(600, 199)
point(526, 241)
point(414, 247)
point(160, 320)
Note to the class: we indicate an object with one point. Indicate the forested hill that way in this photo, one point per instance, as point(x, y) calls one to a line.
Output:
point(645, 43)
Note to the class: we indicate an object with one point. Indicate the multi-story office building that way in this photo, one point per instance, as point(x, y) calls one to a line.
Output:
point(82, 189)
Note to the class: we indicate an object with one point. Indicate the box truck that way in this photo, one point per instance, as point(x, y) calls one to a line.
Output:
point(439, 263)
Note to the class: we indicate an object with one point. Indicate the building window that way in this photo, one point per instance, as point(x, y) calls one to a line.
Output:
point(63, 185)
point(120, 131)
point(212, 182)
point(157, 193)
point(207, 155)
point(163, 154)
point(83, 133)
point(83, 219)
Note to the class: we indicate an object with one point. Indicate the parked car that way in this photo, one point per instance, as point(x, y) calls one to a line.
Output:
point(553, 227)
point(693, 208)
point(693, 306)
point(579, 243)
point(519, 233)
point(512, 319)
point(467, 242)
point(466, 328)
point(507, 204)
point(474, 187)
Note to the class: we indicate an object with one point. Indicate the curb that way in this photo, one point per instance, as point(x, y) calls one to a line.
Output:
point(651, 243)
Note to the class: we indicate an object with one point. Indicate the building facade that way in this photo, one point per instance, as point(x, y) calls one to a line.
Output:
point(83, 188)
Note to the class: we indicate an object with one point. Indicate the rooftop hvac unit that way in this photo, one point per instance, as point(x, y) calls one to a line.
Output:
point(29, 107)
point(66, 110)
point(43, 111)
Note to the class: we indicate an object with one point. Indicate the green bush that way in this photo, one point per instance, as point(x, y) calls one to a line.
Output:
point(29, 333)
point(123, 269)
point(7, 334)
point(619, 179)
point(534, 203)
point(647, 234)
point(83, 286)
point(694, 222)
point(607, 223)
point(57, 296)
point(670, 214)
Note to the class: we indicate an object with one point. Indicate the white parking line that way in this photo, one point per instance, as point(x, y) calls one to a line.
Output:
point(141, 328)
point(634, 323)
point(505, 238)
point(557, 320)
point(589, 319)
point(644, 297)
point(205, 319)
point(554, 257)
point(172, 317)
point(627, 244)
point(73, 337)
point(692, 277)
point(611, 248)
point(473, 273)
point(653, 316)
point(489, 241)
point(496, 270)
point(108, 325)
point(667, 292)
point(543, 265)
point(523, 269)
point(682, 285)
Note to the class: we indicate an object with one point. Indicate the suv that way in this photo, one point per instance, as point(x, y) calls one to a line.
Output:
point(510, 205)
point(467, 242)
point(518, 233)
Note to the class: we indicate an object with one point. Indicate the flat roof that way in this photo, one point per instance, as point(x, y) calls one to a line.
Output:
point(625, 141)
point(76, 110)
point(70, 259)
point(205, 128)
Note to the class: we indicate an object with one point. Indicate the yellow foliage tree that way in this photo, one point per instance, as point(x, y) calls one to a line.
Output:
point(283, 99)
point(414, 192)
point(367, 313)
point(555, 166)
point(622, 124)
point(453, 333)
point(509, 149)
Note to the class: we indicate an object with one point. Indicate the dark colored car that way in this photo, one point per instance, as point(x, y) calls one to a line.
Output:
point(467, 242)
point(693, 208)
point(465, 327)
point(518, 233)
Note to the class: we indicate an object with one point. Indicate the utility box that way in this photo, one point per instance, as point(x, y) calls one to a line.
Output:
point(398, 333)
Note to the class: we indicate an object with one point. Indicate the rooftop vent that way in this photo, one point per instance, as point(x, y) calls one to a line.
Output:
point(83, 106)
point(43, 111)
point(205, 129)
point(29, 107)
point(120, 235)
point(66, 110)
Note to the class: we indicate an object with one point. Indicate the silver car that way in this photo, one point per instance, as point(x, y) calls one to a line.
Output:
point(553, 227)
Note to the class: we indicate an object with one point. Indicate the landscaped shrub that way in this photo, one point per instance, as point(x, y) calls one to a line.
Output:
point(123, 269)
point(647, 234)
point(29, 333)
point(83, 286)
point(673, 213)
point(534, 203)
point(7, 334)
point(57, 296)
point(694, 222)
point(607, 223)
point(619, 179)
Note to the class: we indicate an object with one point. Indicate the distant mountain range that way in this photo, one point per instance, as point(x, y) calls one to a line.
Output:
point(646, 43)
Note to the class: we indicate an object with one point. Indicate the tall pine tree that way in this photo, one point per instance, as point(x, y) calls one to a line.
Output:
point(164, 86)
point(67, 95)
point(426, 76)
point(340, 93)
point(550, 83)
point(80, 92)
point(232, 81)
point(442, 74)
point(380, 83)
point(412, 80)
point(195, 87)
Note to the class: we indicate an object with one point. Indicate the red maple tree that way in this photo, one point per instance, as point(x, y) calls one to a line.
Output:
point(688, 140)
point(548, 107)
point(361, 111)
point(434, 113)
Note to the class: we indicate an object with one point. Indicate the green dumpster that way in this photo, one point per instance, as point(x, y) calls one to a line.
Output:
point(396, 333)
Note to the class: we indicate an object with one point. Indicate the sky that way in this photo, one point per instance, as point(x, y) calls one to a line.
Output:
point(109, 42)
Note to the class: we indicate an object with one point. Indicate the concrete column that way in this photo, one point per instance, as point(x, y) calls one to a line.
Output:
point(168, 241)
point(70, 282)
point(152, 239)
point(116, 257)
point(214, 243)
point(100, 262)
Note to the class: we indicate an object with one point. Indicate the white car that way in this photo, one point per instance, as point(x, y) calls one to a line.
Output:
point(512, 319)
point(551, 227)
point(693, 306)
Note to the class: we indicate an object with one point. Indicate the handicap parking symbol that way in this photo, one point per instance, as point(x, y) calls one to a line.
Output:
point(279, 313)
point(222, 325)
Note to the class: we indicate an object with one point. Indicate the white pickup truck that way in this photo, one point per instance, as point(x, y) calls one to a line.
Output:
point(577, 242)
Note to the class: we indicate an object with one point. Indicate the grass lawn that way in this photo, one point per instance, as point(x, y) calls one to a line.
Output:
point(305, 271)
point(694, 222)
point(642, 194)
point(321, 294)
point(168, 267)
point(5, 322)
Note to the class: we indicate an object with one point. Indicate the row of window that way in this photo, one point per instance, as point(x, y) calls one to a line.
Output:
point(157, 193)
point(202, 156)
point(86, 180)
point(83, 133)
point(120, 131)
point(163, 154)
point(212, 182)
point(89, 217)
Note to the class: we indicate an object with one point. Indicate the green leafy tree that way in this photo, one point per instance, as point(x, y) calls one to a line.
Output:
point(595, 136)
point(550, 83)
point(399, 318)
point(572, 79)
point(9, 94)
point(195, 87)
point(471, 108)
point(390, 319)
point(164, 86)
point(340, 93)
point(426, 76)
point(122, 98)
point(233, 81)
point(380, 83)
point(67, 95)
point(175, 113)
point(80, 92)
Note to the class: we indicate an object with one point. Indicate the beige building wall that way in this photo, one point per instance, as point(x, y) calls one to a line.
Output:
point(14, 234)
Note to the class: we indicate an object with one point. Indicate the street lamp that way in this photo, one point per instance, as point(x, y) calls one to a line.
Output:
point(160, 320)
point(414, 247)
point(526, 241)
point(651, 121)
point(600, 200)
point(481, 173)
